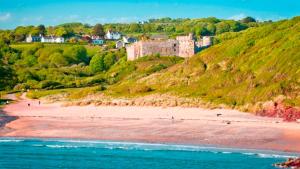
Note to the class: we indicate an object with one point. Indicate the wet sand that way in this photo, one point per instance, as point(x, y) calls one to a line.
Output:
point(151, 124)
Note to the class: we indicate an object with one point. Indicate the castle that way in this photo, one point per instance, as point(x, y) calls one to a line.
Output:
point(182, 46)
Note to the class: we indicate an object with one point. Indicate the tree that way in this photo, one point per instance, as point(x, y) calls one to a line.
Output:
point(60, 31)
point(109, 60)
point(6, 72)
point(76, 54)
point(222, 27)
point(21, 32)
point(30, 60)
point(58, 60)
point(135, 27)
point(41, 29)
point(97, 63)
point(248, 20)
point(98, 30)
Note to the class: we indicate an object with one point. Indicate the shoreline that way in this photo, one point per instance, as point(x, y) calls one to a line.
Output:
point(175, 125)
point(5, 119)
point(163, 146)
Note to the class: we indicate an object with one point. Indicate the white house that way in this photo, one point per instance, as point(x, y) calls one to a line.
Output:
point(120, 44)
point(52, 39)
point(30, 39)
point(111, 35)
point(123, 43)
point(129, 39)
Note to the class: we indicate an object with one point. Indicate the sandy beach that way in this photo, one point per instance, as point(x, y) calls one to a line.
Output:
point(228, 128)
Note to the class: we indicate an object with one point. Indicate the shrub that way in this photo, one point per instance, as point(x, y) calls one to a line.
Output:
point(46, 84)
point(97, 63)
point(140, 88)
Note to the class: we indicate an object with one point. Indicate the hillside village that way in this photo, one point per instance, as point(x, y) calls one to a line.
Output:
point(182, 46)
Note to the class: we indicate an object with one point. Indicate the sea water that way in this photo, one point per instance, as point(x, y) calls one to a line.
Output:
point(75, 154)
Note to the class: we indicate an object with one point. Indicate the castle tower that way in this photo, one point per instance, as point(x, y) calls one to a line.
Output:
point(186, 45)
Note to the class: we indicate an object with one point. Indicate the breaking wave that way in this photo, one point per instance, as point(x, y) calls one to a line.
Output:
point(9, 140)
point(114, 145)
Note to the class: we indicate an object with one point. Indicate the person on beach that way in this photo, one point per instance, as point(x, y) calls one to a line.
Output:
point(39, 102)
point(28, 104)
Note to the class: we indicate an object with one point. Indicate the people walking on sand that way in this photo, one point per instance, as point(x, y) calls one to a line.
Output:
point(39, 102)
point(28, 104)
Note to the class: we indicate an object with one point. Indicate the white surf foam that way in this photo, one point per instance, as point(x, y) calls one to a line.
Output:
point(13, 140)
point(65, 143)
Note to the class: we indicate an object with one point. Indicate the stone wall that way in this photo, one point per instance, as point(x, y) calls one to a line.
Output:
point(183, 46)
point(164, 48)
point(186, 45)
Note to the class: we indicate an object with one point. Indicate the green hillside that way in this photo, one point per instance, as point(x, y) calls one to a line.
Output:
point(240, 70)
point(247, 67)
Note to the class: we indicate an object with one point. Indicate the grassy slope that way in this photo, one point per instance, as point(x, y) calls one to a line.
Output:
point(244, 68)
point(91, 50)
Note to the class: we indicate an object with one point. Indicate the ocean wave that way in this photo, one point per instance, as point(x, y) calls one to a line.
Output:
point(250, 154)
point(151, 147)
point(261, 155)
point(13, 140)
point(61, 146)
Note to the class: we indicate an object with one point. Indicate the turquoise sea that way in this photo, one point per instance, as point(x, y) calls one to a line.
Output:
point(16, 153)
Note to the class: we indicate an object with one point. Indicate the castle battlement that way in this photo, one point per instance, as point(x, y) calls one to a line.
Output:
point(185, 38)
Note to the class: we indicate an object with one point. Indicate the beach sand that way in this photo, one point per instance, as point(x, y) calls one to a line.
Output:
point(151, 124)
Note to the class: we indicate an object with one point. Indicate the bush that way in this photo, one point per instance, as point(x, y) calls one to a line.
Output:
point(97, 63)
point(50, 85)
point(139, 89)
point(58, 60)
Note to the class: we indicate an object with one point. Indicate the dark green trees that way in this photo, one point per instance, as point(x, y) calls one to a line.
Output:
point(102, 62)
point(98, 30)
point(97, 63)
point(248, 20)
point(6, 73)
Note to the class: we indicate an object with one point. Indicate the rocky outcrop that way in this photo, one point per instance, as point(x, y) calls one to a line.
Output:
point(279, 110)
point(290, 163)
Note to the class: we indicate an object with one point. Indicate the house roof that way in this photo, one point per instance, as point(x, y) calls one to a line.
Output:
point(51, 37)
point(113, 32)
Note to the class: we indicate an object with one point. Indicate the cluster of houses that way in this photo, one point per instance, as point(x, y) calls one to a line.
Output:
point(121, 41)
point(45, 39)
point(97, 40)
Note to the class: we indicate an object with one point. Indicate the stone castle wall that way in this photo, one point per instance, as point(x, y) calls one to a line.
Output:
point(164, 48)
point(183, 46)
point(186, 45)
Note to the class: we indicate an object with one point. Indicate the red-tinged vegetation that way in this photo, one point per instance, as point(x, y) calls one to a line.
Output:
point(279, 110)
point(290, 163)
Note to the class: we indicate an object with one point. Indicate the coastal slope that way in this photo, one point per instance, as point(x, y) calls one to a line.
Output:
point(242, 70)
